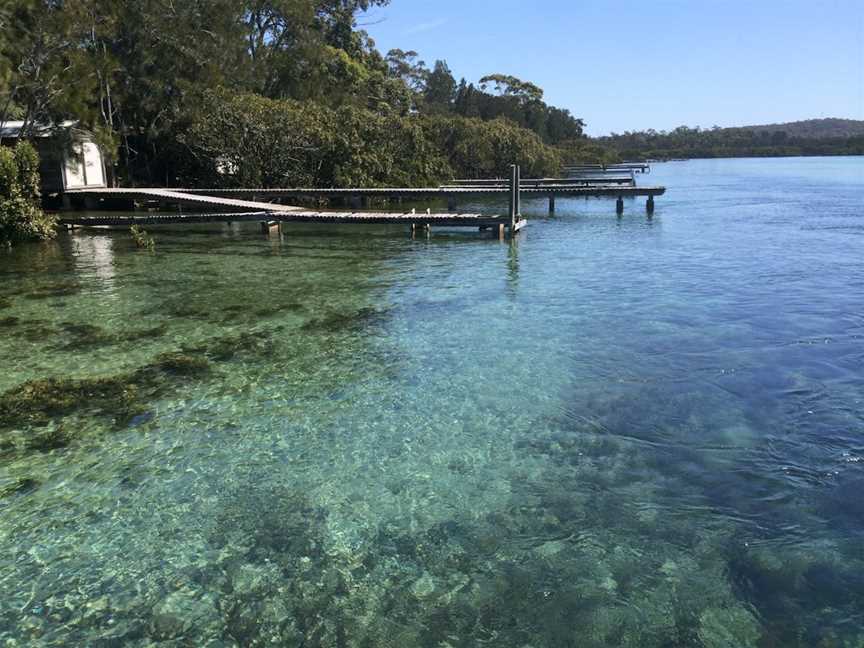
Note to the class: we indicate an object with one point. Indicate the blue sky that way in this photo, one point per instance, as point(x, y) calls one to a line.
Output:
point(632, 65)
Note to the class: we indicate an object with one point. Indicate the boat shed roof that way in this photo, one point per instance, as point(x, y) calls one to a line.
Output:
point(13, 129)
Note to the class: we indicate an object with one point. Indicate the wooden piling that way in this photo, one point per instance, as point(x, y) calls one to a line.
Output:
point(518, 192)
point(551, 204)
point(649, 205)
point(270, 227)
point(619, 205)
point(514, 195)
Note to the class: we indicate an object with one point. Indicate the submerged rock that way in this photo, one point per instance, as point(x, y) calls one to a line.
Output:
point(183, 612)
point(181, 364)
point(729, 627)
point(550, 549)
point(424, 587)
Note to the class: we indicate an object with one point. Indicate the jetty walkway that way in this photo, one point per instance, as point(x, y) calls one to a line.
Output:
point(261, 204)
point(264, 199)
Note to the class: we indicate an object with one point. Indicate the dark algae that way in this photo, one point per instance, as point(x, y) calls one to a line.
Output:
point(21, 486)
point(63, 288)
point(39, 401)
point(121, 398)
point(346, 322)
point(179, 364)
point(41, 406)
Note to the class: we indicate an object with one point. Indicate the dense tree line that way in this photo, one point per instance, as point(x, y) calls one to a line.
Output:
point(498, 95)
point(248, 140)
point(174, 90)
point(824, 128)
point(684, 142)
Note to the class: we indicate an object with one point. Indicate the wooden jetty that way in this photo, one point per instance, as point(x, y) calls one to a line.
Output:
point(271, 216)
point(256, 204)
point(498, 188)
point(638, 167)
point(226, 199)
point(575, 181)
point(178, 197)
point(273, 219)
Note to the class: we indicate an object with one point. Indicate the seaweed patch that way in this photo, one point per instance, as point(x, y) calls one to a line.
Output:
point(56, 289)
point(344, 322)
point(21, 486)
point(40, 405)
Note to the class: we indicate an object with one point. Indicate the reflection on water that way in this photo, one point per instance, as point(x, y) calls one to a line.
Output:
point(613, 431)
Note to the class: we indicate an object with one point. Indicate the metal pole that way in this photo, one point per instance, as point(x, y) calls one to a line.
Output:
point(514, 193)
point(518, 192)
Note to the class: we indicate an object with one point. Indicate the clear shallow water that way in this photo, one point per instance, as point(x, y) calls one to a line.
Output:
point(614, 431)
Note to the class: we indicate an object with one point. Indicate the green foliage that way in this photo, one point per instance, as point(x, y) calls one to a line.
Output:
point(138, 74)
point(371, 150)
point(246, 140)
point(142, 239)
point(519, 101)
point(21, 217)
point(251, 141)
point(506, 84)
point(440, 89)
point(482, 149)
point(586, 151)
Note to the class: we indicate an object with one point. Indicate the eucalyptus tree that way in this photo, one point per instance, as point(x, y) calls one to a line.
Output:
point(440, 88)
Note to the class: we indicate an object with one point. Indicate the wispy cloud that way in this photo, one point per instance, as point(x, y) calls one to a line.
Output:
point(426, 26)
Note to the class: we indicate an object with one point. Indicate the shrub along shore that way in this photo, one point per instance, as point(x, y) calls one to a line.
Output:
point(21, 215)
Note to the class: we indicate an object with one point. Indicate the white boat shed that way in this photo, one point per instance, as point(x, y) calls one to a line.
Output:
point(69, 158)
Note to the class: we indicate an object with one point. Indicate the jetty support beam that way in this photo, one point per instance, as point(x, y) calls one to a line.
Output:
point(271, 227)
point(426, 228)
point(619, 205)
point(551, 204)
point(514, 196)
point(649, 205)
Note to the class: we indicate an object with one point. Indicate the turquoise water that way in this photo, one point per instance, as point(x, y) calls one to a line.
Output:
point(614, 431)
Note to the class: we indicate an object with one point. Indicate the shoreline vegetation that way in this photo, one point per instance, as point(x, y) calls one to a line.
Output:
point(812, 137)
point(21, 214)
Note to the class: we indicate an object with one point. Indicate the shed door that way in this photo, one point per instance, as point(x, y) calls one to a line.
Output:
point(93, 170)
point(84, 168)
point(73, 170)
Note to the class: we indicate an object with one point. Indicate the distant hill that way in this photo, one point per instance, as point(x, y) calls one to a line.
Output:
point(808, 137)
point(815, 128)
